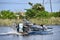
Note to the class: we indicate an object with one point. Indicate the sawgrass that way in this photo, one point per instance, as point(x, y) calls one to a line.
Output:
point(46, 21)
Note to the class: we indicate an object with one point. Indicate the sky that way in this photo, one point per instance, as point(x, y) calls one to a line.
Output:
point(21, 5)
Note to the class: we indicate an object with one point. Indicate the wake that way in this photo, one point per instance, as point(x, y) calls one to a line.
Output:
point(10, 33)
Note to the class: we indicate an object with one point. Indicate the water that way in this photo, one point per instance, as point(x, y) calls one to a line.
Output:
point(54, 36)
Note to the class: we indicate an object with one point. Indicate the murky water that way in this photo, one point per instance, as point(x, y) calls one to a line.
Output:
point(54, 36)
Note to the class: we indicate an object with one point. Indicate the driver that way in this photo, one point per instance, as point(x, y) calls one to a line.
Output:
point(44, 27)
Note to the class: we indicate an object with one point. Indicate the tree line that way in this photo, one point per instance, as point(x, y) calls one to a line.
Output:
point(36, 11)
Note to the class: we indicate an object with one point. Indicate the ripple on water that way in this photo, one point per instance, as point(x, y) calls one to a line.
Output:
point(54, 36)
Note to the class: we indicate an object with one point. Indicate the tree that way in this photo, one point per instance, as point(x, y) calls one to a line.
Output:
point(42, 14)
point(56, 14)
point(34, 11)
point(38, 7)
point(30, 13)
point(6, 14)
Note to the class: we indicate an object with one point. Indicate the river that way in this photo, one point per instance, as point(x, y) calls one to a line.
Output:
point(54, 36)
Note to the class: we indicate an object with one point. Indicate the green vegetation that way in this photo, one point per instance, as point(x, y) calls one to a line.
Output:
point(7, 14)
point(36, 14)
point(38, 11)
point(56, 14)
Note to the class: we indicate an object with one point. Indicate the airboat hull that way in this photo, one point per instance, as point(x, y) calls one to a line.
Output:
point(41, 32)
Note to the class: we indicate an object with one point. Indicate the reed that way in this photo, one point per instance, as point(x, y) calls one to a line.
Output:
point(46, 21)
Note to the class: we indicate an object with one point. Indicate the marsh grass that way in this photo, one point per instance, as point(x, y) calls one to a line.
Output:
point(46, 21)
point(8, 22)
